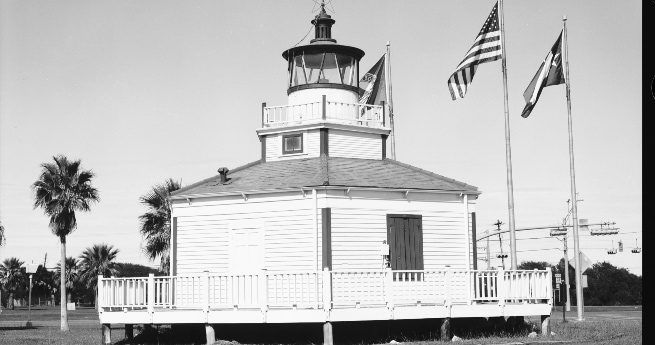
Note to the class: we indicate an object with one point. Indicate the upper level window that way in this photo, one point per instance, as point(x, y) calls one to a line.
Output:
point(292, 143)
point(331, 68)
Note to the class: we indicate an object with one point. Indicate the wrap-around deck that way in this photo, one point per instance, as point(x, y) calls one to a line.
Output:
point(324, 296)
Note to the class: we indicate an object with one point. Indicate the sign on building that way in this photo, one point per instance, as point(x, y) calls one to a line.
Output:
point(558, 278)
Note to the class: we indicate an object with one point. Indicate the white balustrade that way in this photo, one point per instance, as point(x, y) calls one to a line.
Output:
point(325, 289)
point(366, 115)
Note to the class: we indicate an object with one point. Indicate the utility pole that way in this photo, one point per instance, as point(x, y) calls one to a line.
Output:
point(488, 252)
point(566, 275)
point(502, 256)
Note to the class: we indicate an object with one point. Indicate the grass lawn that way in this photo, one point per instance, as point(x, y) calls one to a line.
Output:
point(49, 335)
point(589, 332)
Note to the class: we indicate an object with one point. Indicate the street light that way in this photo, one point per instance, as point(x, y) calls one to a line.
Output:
point(30, 269)
point(636, 249)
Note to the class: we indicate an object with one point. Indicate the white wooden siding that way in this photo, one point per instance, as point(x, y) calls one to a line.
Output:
point(354, 145)
point(311, 146)
point(359, 225)
point(290, 238)
point(205, 230)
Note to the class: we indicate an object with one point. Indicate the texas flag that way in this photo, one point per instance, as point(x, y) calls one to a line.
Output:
point(550, 73)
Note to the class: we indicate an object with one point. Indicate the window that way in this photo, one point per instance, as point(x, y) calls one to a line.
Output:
point(292, 143)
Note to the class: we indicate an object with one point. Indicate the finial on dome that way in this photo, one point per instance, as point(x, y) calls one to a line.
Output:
point(323, 26)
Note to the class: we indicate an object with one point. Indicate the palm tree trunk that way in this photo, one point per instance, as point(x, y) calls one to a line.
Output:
point(62, 284)
point(10, 301)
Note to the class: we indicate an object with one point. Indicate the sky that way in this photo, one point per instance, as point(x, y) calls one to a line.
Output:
point(141, 91)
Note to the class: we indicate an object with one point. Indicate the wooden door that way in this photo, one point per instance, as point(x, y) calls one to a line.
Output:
point(405, 239)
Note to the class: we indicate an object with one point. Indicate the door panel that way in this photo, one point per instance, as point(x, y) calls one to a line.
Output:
point(405, 238)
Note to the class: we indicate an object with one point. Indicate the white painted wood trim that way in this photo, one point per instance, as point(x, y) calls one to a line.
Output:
point(468, 232)
point(465, 200)
point(322, 124)
point(284, 190)
point(315, 218)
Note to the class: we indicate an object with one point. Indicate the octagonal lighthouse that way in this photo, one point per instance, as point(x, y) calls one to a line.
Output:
point(323, 115)
point(323, 227)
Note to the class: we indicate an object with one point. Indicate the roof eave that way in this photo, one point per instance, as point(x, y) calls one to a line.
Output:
point(322, 187)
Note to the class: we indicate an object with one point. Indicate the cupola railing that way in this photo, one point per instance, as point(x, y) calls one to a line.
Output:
point(356, 114)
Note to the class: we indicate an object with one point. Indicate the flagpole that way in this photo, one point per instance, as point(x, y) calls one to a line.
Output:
point(574, 197)
point(387, 85)
point(508, 149)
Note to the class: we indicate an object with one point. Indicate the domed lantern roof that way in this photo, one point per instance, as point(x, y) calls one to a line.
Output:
point(323, 63)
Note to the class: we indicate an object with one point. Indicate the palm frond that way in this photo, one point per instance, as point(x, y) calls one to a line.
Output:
point(155, 222)
point(62, 189)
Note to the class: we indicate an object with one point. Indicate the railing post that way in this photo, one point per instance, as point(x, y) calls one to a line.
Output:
point(384, 113)
point(324, 106)
point(151, 293)
point(100, 300)
point(170, 292)
point(471, 275)
point(500, 287)
point(205, 299)
point(263, 112)
point(534, 285)
point(448, 283)
point(549, 286)
point(327, 288)
point(388, 287)
point(263, 290)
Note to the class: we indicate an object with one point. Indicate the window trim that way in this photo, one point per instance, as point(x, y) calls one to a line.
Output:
point(284, 136)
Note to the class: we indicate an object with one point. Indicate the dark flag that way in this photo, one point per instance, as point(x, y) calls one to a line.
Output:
point(373, 84)
point(486, 48)
point(550, 73)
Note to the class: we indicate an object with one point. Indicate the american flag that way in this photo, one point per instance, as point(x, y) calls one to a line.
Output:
point(486, 48)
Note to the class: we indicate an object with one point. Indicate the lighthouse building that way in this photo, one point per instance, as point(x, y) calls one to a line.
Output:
point(324, 226)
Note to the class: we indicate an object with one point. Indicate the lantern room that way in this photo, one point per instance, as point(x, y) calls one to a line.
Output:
point(323, 67)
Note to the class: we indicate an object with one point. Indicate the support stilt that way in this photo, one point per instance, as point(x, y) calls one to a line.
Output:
point(210, 334)
point(514, 323)
point(327, 334)
point(106, 333)
point(129, 332)
point(497, 323)
point(446, 333)
point(545, 325)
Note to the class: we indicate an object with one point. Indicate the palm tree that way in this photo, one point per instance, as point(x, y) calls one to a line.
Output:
point(71, 275)
point(12, 277)
point(2, 234)
point(156, 222)
point(95, 261)
point(63, 188)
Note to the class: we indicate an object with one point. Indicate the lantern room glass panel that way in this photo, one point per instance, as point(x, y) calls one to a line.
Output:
point(323, 68)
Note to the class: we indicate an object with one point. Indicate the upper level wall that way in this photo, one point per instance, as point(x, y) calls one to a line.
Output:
point(311, 146)
point(340, 143)
point(354, 144)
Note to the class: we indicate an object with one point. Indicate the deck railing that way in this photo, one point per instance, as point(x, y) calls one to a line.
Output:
point(325, 289)
point(366, 115)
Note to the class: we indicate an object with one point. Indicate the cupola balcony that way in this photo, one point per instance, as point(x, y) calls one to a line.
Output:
point(324, 111)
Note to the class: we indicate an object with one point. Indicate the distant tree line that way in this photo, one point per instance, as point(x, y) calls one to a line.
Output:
point(62, 189)
point(607, 284)
point(81, 275)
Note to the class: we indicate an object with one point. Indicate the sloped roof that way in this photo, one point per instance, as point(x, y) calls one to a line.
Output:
point(324, 171)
